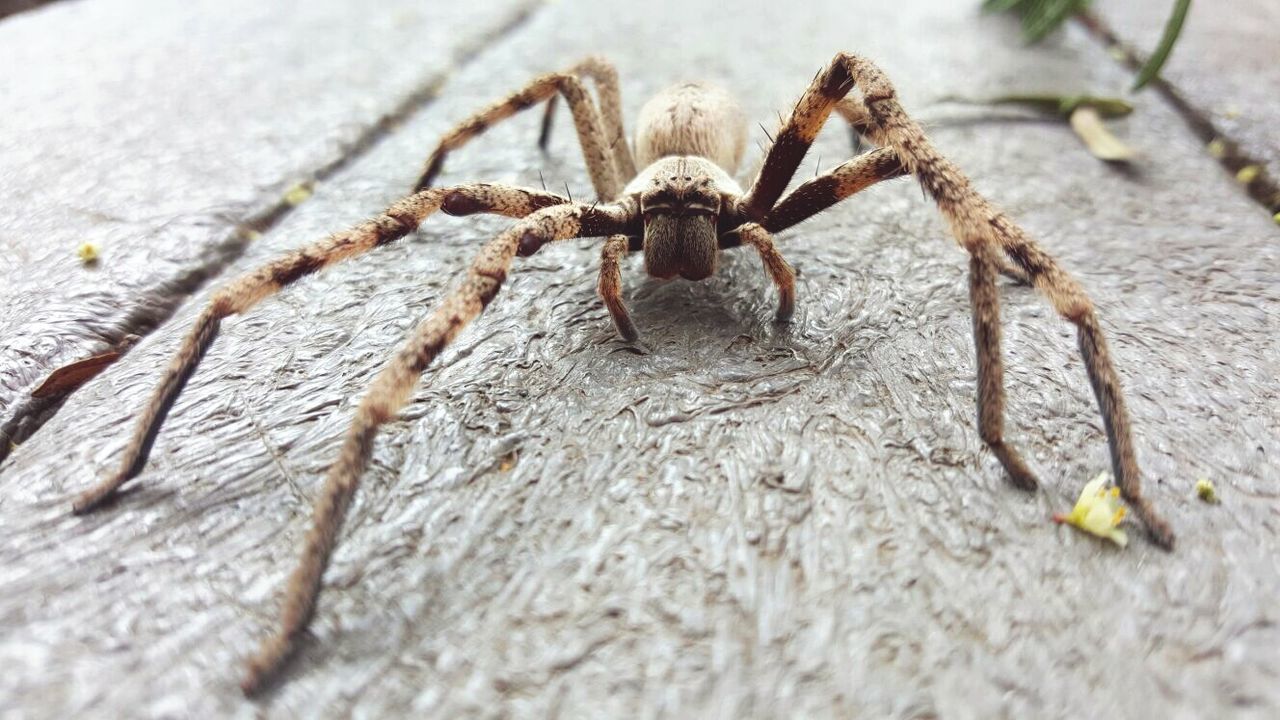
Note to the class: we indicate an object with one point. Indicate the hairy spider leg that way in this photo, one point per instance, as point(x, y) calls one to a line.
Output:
point(602, 150)
point(973, 220)
point(402, 218)
point(391, 389)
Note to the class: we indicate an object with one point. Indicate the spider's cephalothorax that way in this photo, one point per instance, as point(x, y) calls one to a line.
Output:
point(690, 138)
point(681, 209)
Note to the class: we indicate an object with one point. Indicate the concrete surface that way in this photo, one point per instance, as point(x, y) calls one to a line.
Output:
point(735, 520)
point(159, 130)
point(1226, 63)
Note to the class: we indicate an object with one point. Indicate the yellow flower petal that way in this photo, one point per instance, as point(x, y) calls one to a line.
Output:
point(1098, 511)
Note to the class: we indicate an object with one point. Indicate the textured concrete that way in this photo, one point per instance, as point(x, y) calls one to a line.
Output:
point(733, 520)
point(157, 129)
point(1226, 64)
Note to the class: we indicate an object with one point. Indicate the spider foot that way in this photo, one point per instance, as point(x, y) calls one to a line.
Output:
point(1159, 530)
point(262, 669)
point(1019, 474)
point(786, 309)
point(626, 328)
point(94, 497)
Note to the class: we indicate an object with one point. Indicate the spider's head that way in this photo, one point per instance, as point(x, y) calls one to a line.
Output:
point(681, 208)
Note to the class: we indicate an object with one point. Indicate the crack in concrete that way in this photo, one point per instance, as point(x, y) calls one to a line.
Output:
point(149, 313)
point(1250, 172)
point(14, 7)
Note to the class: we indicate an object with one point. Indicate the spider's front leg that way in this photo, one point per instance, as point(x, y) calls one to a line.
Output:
point(779, 271)
point(615, 248)
point(239, 296)
point(390, 390)
point(985, 233)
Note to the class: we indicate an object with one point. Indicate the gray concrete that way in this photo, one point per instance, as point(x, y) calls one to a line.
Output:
point(1226, 63)
point(156, 130)
point(735, 520)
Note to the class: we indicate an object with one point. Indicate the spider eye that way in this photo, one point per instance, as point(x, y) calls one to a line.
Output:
point(676, 210)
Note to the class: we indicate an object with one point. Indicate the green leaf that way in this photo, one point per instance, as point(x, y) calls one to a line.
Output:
point(995, 6)
point(1171, 31)
point(1044, 16)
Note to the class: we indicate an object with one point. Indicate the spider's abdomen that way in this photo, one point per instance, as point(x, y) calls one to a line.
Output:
point(692, 119)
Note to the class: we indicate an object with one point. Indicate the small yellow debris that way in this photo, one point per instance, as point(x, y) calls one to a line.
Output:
point(1217, 148)
point(1087, 123)
point(1206, 491)
point(88, 253)
point(248, 234)
point(1231, 112)
point(1248, 174)
point(298, 194)
point(1276, 217)
point(1098, 511)
point(1117, 53)
point(508, 461)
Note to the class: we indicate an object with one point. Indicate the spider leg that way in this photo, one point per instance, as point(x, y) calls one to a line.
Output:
point(390, 390)
point(615, 248)
point(973, 221)
point(985, 298)
point(820, 193)
point(861, 125)
point(605, 76)
point(598, 146)
point(780, 272)
point(242, 294)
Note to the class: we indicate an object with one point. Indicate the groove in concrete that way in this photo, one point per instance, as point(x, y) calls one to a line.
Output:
point(13, 7)
point(1251, 172)
point(29, 415)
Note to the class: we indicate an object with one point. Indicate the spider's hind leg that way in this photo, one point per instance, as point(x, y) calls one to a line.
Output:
point(605, 76)
point(604, 146)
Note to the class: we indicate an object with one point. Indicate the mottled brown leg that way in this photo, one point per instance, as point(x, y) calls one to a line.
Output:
point(389, 392)
point(779, 271)
point(861, 126)
point(820, 193)
point(240, 295)
point(973, 220)
point(610, 286)
point(984, 296)
point(605, 76)
point(596, 149)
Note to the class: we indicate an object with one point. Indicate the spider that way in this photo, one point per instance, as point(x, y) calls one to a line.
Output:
point(681, 209)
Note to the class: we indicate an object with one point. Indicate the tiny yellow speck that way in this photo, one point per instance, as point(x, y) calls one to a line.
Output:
point(1276, 217)
point(249, 234)
point(298, 194)
point(507, 462)
point(1206, 491)
point(1247, 174)
point(1217, 148)
point(1117, 53)
point(88, 253)
point(1231, 113)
